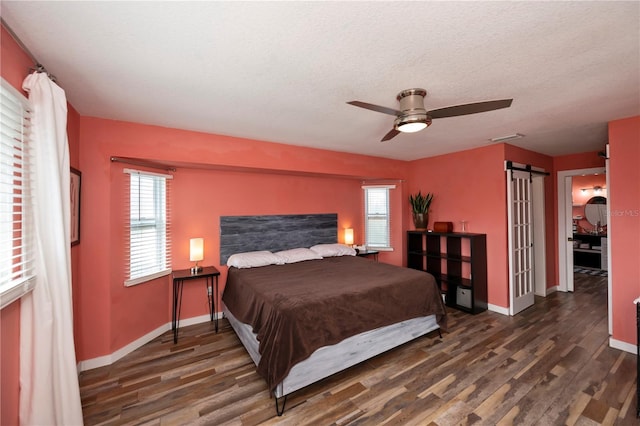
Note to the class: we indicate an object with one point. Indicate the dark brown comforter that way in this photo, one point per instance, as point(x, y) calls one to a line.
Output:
point(297, 308)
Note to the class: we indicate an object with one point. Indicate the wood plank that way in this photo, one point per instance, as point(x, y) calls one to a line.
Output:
point(551, 364)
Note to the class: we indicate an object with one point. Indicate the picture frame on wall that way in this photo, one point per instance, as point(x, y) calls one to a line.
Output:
point(75, 181)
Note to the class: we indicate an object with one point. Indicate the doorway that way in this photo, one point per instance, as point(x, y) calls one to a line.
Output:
point(565, 230)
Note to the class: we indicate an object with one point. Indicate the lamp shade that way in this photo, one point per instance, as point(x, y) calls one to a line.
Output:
point(196, 249)
point(348, 236)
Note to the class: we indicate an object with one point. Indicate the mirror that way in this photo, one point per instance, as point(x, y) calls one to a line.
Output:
point(595, 211)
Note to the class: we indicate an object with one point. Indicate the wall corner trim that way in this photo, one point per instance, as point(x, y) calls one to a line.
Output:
point(498, 309)
point(623, 346)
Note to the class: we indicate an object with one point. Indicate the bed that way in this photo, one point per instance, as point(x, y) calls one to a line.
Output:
point(306, 320)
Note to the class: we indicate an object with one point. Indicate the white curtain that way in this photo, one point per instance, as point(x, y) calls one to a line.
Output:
point(50, 393)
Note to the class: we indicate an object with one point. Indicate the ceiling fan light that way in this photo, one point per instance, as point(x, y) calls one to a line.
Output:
point(412, 123)
point(412, 127)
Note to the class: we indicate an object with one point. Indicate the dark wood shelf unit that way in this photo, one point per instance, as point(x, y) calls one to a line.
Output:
point(588, 257)
point(458, 261)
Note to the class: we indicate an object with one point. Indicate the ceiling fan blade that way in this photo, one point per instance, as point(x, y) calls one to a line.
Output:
point(376, 108)
point(454, 111)
point(392, 134)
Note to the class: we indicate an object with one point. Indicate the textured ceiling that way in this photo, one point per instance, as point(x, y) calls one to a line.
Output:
point(283, 71)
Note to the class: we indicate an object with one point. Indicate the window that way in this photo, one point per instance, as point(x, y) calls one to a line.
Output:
point(148, 248)
point(377, 218)
point(17, 269)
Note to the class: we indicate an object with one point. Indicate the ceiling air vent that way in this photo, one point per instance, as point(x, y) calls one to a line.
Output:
point(507, 138)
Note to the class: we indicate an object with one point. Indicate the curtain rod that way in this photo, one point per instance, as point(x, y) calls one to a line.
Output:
point(38, 67)
point(143, 163)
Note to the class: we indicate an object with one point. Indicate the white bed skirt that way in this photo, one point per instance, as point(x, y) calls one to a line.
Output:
point(329, 360)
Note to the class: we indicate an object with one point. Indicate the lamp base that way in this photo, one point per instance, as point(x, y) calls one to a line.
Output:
point(196, 270)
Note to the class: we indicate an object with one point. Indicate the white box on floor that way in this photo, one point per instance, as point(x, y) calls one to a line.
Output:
point(463, 297)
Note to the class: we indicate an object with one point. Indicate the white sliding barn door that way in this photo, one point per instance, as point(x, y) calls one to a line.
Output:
point(521, 263)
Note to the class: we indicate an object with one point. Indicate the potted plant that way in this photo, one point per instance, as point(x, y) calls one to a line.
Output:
point(420, 205)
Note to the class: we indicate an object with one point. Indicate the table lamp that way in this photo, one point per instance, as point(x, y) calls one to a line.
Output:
point(348, 236)
point(196, 253)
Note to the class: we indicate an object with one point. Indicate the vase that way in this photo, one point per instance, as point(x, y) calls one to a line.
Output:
point(421, 220)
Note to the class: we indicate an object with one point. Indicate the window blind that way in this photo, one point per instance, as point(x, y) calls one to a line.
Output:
point(377, 216)
point(17, 252)
point(148, 252)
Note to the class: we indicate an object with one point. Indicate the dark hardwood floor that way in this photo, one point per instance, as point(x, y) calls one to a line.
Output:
point(549, 365)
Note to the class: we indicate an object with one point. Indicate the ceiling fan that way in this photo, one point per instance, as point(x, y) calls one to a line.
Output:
point(412, 117)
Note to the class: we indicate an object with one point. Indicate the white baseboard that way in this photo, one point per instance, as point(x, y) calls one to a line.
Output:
point(505, 311)
point(110, 359)
point(197, 320)
point(623, 346)
point(498, 309)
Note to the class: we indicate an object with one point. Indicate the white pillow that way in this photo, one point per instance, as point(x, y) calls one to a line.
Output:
point(331, 250)
point(298, 255)
point(253, 259)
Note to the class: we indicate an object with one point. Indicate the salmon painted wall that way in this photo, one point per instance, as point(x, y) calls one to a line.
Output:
point(10, 363)
point(624, 232)
point(234, 177)
point(247, 194)
point(15, 64)
point(470, 185)
point(584, 160)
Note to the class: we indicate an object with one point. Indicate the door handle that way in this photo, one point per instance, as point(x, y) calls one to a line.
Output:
point(569, 239)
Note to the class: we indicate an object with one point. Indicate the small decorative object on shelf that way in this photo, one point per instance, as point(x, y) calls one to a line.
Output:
point(443, 226)
point(420, 205)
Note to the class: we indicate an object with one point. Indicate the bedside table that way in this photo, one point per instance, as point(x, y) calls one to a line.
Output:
point(208, 273)
point(368, 253)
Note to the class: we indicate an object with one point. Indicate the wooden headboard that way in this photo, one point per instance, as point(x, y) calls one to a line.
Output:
point(275, 232)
